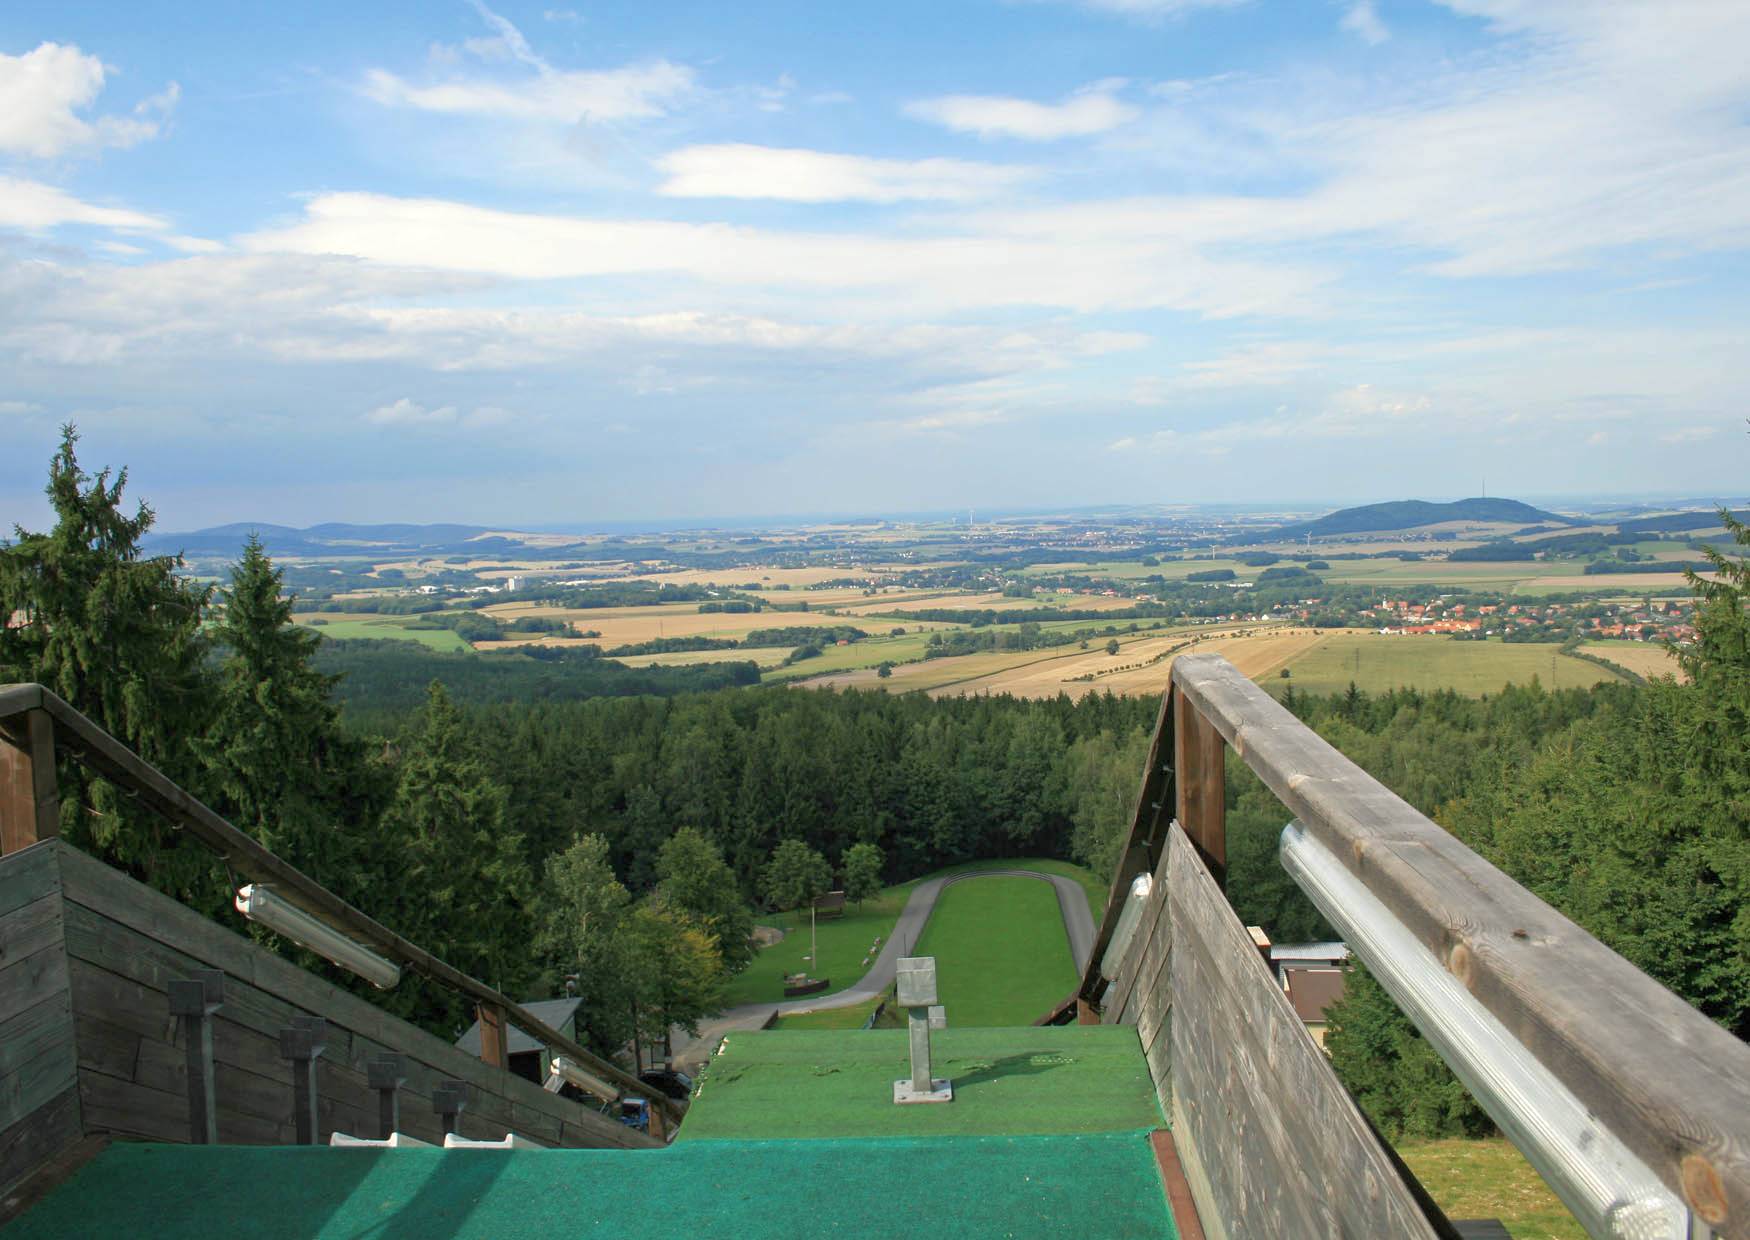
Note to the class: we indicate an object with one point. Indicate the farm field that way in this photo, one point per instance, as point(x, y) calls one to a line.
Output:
point(987, 602)
point(765, 656)
point(1671, 584)
point(1488, 1178)
point(380, 628)
point(767, 577)
point(1376, 663)
point(1002, 957)
point(625, 625)
point(1641, 658)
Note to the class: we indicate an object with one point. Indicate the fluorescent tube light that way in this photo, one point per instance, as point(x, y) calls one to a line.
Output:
point(1612, 1192)
point(281, 916)
point(1125, 930)
point(569, 1070)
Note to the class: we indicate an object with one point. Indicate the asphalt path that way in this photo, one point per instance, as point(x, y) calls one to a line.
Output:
point(1072, 904)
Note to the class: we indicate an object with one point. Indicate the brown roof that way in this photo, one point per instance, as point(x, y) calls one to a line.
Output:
point(1311, 991)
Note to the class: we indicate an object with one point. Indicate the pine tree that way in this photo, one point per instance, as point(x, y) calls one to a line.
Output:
point(464, 884)
point(117, 634)
point(278, 763)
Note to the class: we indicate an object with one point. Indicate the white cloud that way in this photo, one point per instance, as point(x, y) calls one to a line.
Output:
point(10, 407)
point(34, 207)
point(1362, 20)
point(43, 92)
point(924, 274)
point(738, 170)
point(546, 94)
point(1092, 110)
point(408, 414)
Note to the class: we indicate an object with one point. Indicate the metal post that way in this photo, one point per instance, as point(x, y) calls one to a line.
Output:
point(303, 1044)
point(448, 1101)
point(193, 1001)
point(387, 1073)
point(916, 992)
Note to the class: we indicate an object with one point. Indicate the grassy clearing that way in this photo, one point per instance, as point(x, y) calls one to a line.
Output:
point(1002, 958)
point(386, 628)
point(1491, 1179)
point(844, 943)
point(1377, 662)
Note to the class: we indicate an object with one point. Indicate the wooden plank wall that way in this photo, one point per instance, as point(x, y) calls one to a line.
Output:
point(124, 943)
point(1279, 1147)
point(39, 1094)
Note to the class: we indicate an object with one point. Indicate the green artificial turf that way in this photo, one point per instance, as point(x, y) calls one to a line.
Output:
point(1002, 957)
point(1101, 1185)
point(809, 1083)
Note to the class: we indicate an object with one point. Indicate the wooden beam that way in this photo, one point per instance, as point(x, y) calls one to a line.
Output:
point(1200, 774)
point(30, 807)
point(1671, 1084)
point(1178, 1189)
point(493, 1049)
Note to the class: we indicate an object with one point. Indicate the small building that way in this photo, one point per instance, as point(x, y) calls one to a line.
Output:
point(526, 1057)
point(1312, 976)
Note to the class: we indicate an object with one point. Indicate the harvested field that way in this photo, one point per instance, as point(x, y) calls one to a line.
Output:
point(765, 656)
point(624, 625)
point(1256, 656)
point(1641, 658)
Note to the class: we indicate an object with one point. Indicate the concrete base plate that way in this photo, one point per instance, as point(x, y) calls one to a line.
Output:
point(941, 1091)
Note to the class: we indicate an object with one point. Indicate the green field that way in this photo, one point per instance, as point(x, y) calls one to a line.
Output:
point(845, 941)
point(390, 628)
point(1002, 957)
point(1377, 662)
point(1491, 1179)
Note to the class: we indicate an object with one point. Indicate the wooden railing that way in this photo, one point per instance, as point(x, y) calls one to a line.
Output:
point(37, 728)
point(1553, 1018)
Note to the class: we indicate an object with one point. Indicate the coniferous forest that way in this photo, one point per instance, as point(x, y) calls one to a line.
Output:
point(625, 836)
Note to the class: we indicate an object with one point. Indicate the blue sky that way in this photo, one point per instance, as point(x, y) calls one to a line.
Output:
point(524, 263)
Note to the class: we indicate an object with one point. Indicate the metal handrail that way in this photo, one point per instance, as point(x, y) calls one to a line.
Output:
point(107, 757)
point(1663, 1081)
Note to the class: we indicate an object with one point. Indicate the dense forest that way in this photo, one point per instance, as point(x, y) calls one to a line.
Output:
point(535, 820)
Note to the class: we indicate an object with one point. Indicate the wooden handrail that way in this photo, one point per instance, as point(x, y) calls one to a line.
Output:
point(107, 757)
point(1670, 1084)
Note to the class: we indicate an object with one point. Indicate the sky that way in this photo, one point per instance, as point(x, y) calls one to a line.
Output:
point(530, 264)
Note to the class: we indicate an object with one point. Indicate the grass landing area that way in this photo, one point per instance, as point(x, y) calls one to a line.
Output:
point(845, 942)
point(1491, 1179)
point(1066, 1079)
point(1102, 1185)
point(1002, 957)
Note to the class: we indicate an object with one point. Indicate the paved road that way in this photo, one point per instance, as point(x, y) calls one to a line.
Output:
point(1072, 903)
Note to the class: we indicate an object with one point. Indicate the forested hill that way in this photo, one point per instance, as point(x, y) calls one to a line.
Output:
point(1409, 514)
point(330, 539)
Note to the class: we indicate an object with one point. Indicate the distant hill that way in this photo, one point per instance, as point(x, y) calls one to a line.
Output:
point(1409, 514)
point(330, 539)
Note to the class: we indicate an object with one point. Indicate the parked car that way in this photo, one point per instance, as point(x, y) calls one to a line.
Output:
point(666, 1081)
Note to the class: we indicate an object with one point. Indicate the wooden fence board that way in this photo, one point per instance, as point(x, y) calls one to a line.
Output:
point(1295, 1156)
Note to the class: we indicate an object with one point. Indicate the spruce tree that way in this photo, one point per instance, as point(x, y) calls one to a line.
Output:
point(278, 763)
point(117, 633)
point(464, 884)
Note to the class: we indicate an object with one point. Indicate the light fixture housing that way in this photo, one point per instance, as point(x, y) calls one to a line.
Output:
point(261, 905)
point(567, 1069)
point(1128, 916)
point(1610, 1191)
